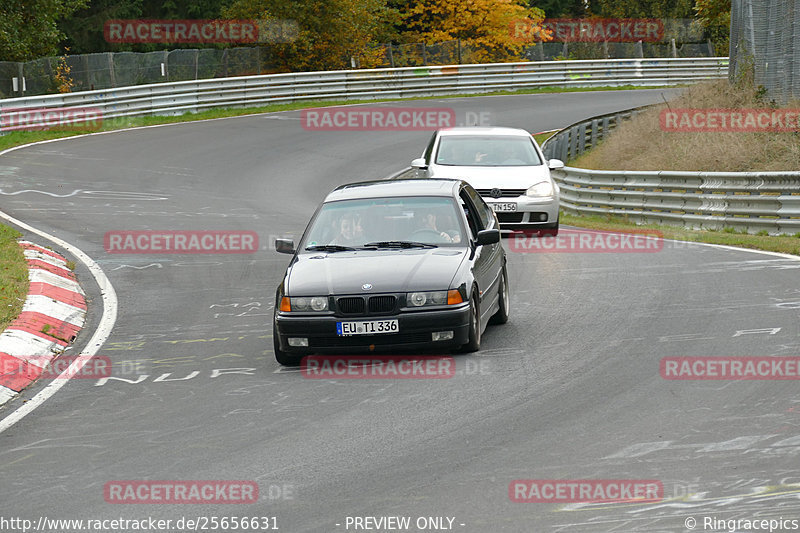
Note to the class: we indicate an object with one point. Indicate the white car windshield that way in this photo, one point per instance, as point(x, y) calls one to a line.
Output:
point(486, 150)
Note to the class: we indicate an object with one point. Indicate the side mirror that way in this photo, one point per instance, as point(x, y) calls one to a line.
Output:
point(284, 246)
point(555, 164)
point(488, 236)
point(419, 164)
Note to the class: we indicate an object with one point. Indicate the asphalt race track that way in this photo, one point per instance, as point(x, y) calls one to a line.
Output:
point(569, 389)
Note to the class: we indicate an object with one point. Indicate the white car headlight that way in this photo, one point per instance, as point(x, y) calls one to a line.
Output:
point(543, 188)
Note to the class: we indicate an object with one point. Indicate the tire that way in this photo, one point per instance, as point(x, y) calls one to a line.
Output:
point(551, 230)
point(501, 316)
point(282, 357)
point(474, 343)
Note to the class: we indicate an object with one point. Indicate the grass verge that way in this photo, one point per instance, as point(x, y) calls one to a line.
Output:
point(13, 276)
point(642, 144)
point(781, 243)
point(24, 137)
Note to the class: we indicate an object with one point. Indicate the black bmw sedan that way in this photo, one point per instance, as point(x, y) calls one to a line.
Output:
point(412, 265)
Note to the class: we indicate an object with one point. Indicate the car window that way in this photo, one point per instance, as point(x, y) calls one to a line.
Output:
point(487, 150)
point(354, 223)
point(484, 211)
point(470, 211)
point(429, 148)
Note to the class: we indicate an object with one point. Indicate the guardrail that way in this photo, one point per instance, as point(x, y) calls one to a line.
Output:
point(753, 201)
point(249, 91)
point(575, 139)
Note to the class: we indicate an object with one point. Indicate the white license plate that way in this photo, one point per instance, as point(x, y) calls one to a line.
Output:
point(503, 207)
point(371, 327)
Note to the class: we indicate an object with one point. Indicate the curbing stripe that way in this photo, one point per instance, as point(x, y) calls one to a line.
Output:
point(55, 303)
point(58, 294)
point(45, 258)
point(35, 322)
point(25, 328)
point(37, 275)
point(22, 343)
point(45, 305)
point(35, 247)
point(63, 272)
point(6, 394)
point(16, 373)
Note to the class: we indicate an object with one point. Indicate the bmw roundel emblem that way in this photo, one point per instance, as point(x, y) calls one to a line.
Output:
point(367, 286)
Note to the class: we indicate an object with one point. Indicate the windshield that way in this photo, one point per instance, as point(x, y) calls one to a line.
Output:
point(377, 222)
point(487, 151)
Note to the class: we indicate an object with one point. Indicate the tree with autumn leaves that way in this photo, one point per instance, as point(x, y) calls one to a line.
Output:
point(332, 32)
point(486, 26)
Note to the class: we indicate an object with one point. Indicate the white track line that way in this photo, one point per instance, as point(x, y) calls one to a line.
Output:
point(99, 337)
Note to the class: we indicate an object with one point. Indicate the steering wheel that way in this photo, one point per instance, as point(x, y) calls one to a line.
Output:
point(427, 234)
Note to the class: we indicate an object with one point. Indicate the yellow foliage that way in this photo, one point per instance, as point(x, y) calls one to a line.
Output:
point(63, 79)
point(489, 27)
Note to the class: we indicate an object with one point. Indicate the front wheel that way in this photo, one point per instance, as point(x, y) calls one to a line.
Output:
point(501, 316)
point(550, 230)
point(474, 343)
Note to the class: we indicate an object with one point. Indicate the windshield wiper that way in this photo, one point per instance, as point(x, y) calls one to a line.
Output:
point(329, 248)
point(400, 244)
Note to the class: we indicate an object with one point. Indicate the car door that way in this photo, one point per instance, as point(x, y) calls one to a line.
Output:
point(488, 260)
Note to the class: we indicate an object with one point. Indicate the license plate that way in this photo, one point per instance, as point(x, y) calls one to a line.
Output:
point(503, 207)
point(371, 327)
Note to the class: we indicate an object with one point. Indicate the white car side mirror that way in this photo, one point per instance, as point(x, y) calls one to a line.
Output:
point(555, 164)
point(419, 164)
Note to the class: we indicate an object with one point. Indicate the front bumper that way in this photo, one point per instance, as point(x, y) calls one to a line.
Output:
point(531, 213)
point(415, 329)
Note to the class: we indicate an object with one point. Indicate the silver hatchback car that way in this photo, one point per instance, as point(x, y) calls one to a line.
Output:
point(506, 166)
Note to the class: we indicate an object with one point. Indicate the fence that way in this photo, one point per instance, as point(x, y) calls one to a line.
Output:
point(122, 69)
point(753, 201)
point(192, 96)
point(765, 37)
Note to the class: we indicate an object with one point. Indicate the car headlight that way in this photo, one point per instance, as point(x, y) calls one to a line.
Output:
point(543, 188)
point(304, 303)
point(421, 299)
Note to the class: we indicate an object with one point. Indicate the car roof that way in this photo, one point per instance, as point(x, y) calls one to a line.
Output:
point(484, 131)
point(395, 188)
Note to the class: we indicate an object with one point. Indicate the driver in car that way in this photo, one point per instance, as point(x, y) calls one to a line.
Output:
point(349, 232)
point(429, 222)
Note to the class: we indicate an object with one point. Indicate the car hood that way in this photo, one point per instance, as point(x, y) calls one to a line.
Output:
point(490, 177)
point(322, 273)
